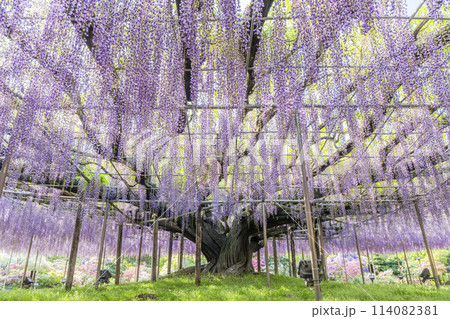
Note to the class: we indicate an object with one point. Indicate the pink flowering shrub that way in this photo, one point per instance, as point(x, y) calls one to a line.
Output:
point(255, 263)
point(129, 274)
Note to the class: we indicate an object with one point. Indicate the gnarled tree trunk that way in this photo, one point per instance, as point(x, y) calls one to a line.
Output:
point(235, 256)
point(228, 250)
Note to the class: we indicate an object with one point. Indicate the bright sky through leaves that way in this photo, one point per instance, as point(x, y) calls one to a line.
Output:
point(412, 5)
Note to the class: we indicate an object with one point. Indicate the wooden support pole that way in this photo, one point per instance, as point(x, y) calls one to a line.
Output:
point(198, 246)
point(180, 252)
point(322, 251)
point(266, 248)
point(154, 248)
point(370, 264)
point(424, 235)
point(407, 265)
point(317, 247)
point(159, 259)
point(7, 161)
point(288, 250)
point(258, 259)
point(368, 260)
point(303, 255)
point(294, 266)
point(121, 262)
point(102, 244)
point(74, 248)
point(26, 261)
point(118, 253)
point(4, 173)
point(36, 272)
point(139, 253)
point(308, 213)
point(359, 255)
point(420, 267)
point(104, 256)
point(35, 266)
point(398, 265)
point(434, 262)
point(275, 257)
point(373, 265)
point(408, 281)
point(169, 261)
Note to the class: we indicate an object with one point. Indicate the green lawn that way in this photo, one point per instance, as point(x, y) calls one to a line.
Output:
point(249, 287)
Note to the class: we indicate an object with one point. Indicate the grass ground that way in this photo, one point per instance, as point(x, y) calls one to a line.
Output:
point(249, 287)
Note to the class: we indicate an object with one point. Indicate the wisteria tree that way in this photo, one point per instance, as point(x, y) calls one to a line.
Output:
point(185, 108)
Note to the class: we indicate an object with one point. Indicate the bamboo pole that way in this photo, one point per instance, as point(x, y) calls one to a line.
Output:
point(308, 213)
point(322, 251)
point(294, 266)
point(154, 247)
point(424, 235)
point(407, 264)
point(198, 246)
point(266, 249)
point(74, 248)
point(169, 261)
point(102, 243)
point(275, 257)
point(359, 255)
point(180, 252)
point(138, 266)
point(118, 253)
point(26, 262)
